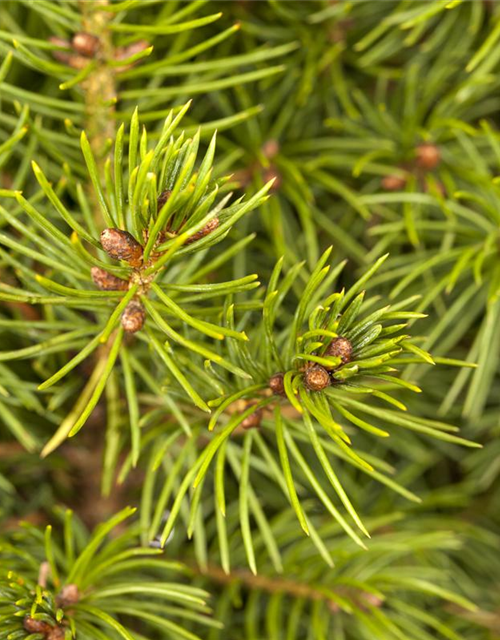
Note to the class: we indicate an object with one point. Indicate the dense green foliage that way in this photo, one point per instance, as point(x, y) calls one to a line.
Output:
point(249, 319)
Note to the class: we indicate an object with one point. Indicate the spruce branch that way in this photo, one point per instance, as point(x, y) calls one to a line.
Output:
point(173, 212)
point(363, 592)
point(313, 371)
point(72, 584)
point(324, 494)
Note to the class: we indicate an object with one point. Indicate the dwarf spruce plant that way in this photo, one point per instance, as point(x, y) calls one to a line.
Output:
point(249, 335)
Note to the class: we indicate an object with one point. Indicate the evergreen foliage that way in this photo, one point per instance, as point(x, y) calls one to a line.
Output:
point(249, 319)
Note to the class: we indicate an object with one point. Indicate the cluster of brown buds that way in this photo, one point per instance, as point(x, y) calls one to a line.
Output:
point(32, 626)
point(121, 245)
point(427, 158)
point(254, 420)
point(84, 47)
point(318, 377)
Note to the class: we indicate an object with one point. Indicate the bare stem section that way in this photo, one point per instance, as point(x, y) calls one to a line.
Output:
point(335, 599)
point(100, 86)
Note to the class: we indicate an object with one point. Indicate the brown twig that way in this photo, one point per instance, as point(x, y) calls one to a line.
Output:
point(263, 583)
point(288, 586)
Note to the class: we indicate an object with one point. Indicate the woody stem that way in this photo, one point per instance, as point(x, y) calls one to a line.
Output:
point(264, 583)
point(99, 88)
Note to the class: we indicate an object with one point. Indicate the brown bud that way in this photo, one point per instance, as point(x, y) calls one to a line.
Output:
point(58, 54)
point(272, 173)
point(121, 245)
point(393, 183)
point(271, 148)
point(31, 625)
point(333, 606)
point(122, 53)
point(77, 62)
point(316, 378)
point(86, 44)
point(162, 198)
point(43, 574)
point(428, 156)
point(437, 187)
point(67, 57)
point(60, 42)
point(208, 228)
point(133, 317)
point(372, 600)
point(69, 595)
point(253, 420)
point(277, 385)
point(55, 633)
point(107, 281)
point(243, 177)
point(340, 348)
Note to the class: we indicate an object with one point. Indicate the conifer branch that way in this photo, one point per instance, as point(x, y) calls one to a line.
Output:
point(249, 265)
